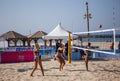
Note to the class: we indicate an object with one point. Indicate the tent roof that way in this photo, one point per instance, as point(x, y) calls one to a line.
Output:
point(57, 33)
point(12, 35)
point(38, 34)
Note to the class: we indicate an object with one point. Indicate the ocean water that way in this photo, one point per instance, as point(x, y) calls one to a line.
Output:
point(100, 39)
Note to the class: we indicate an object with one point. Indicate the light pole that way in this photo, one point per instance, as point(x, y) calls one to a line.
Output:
point(87, 17)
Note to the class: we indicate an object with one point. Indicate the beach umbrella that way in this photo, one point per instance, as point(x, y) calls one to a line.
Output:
point(69, 48)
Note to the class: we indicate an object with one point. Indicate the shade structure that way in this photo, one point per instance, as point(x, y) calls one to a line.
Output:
point(37, 34)
point(12, 35)
point(58, 33)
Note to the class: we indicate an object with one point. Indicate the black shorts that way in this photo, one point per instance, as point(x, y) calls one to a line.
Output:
point(40, 56)
point(36, 52)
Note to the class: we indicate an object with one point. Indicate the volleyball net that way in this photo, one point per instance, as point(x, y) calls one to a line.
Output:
point(103, 41)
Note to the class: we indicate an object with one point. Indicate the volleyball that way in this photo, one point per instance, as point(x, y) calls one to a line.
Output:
point(100, 26)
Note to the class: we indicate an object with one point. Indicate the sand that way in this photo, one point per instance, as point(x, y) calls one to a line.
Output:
point(99, 70)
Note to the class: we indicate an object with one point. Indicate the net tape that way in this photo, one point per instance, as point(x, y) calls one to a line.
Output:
point(98, 51)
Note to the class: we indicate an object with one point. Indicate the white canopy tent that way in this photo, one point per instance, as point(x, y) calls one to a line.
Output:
point(58, 33)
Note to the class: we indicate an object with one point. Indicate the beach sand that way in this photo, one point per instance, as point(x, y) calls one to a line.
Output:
point(99, 70)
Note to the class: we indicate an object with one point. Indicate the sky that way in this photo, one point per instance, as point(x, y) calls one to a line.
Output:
point(29, 16)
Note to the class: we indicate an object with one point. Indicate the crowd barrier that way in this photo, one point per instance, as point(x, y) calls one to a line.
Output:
point(17, 49)
point(24, 54)
point(24, 48)
point(0, 57)
point(105, 55)
point(77, 55)
point(21, 56)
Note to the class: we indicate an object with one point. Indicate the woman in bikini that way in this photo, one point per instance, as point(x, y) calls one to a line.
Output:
point(60, 56)
point(87, 55)
point(37, 59)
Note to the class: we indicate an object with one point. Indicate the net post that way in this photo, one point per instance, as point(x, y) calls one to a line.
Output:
point(69, 48)
point(114, 40)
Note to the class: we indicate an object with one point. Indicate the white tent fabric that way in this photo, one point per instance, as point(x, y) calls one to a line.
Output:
point(58, 33)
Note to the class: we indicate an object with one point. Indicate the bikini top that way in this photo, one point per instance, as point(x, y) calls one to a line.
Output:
point(60, 51)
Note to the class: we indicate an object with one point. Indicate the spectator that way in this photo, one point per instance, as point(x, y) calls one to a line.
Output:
point(57, 45)
point(66, 49)
point(112, 46)
point(119, 45)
